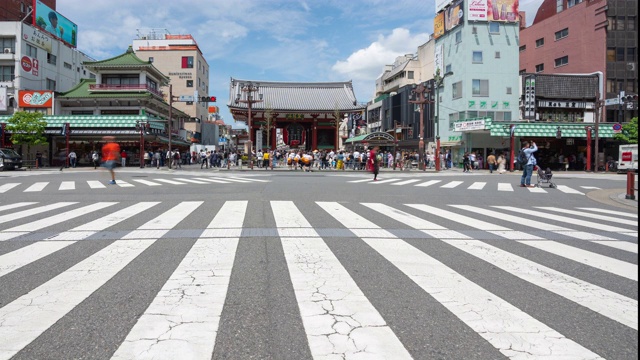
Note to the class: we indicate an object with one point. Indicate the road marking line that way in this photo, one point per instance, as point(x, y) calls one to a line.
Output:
point(469, 221)
point(122, 183)
point(567, 190)
point(352, 221)
point(191, 181)
point(229, 220)
point(93, 184)
point(147, 182)
point(383, 181)
point(18, 258)
point(170, 181)
point(505, 187)
point(212, 180)
point(67, 185)
point(34, 211)
point(406, 182)
point(477, 186)
point(39, 186)
point(590, 215)
point(612, 212)
point(537, 190)
point(428, 183)
point(59, 218)
point(15, 205)
point(355, 181)
point(403, 217)
point(6, 187)
point(451, 184)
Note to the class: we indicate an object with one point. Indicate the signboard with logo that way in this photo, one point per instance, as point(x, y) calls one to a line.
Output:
point(35, 99)
point(439, 58)
point(55, 24)
point(36, 37)
point(4, 100)
point(477, 10)
point(30, 65)
point(469, 125)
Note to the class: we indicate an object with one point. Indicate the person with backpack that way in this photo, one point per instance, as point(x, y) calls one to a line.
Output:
point(527, 161)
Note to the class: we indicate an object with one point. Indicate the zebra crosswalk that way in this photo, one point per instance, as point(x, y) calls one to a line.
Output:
point(545, 281)
point(475, 185)
point(133, 182)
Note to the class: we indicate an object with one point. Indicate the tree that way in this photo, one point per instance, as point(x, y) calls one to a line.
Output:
point(27, 128)
point(629, 134)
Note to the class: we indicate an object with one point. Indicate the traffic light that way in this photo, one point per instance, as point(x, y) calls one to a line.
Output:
point(208, 99)
point(630, 98)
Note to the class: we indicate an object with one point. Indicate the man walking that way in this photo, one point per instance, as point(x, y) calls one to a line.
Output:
point(73, 158)
point(491, 160)
point(110, 153)
point(527, 170)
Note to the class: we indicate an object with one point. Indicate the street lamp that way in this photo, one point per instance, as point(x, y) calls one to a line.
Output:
point(439, 80)
point(142, 128)
point(423, 94)
point(246, 97)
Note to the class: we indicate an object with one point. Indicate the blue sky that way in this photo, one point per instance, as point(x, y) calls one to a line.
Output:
point(268, 40)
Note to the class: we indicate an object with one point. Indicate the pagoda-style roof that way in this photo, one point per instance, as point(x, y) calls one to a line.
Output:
point(127, 61)
point(297, 96)
point(82, 90)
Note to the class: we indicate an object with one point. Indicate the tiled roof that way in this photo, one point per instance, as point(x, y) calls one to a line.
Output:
point(296, 96)
point(127, 60)
point(82, 91)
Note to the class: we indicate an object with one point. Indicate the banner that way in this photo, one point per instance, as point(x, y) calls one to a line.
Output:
point(55, 24)
point(469, 125)
point(439, 58)
point(35, 99)
point(454, 16)
point(4, 100)
point(477, 10)
point(438, 25)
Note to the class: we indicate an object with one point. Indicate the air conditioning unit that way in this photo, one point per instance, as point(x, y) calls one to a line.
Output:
point(7, 51)
point(631, 66)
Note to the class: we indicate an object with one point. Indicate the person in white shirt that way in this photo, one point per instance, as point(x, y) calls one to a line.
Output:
point(73, 159)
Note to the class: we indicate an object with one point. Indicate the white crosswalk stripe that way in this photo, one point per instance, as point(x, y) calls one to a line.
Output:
point(147, 182)
point(567, 190)
point(183, 319)
point(93, 184)
point(478, 185)
point(6, 187)
point(505, 187)
point(67, 185)
point(451, 184)
point(428, 183)
point(39, 186)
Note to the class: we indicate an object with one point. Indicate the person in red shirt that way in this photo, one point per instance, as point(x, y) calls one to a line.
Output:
point(374, 166)
point(110, 154)
point(123, 156)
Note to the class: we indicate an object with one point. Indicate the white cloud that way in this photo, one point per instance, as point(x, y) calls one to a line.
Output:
point(367, 63)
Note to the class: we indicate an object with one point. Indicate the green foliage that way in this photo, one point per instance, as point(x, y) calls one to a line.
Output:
point(27, 128)
point(629, 134)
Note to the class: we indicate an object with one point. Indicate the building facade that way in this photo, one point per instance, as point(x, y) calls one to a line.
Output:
point(583, 37)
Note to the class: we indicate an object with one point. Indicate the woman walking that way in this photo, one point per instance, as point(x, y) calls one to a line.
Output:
point(373, 163)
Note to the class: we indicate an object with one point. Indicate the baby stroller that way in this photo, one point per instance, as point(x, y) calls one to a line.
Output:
point(544, 177)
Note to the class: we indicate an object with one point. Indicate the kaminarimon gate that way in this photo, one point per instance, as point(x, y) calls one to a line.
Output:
point(291, 115)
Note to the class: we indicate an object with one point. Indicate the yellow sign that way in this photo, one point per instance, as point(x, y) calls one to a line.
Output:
point(438, 25)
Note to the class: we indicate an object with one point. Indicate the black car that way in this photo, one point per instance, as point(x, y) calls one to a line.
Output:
point(9, 159)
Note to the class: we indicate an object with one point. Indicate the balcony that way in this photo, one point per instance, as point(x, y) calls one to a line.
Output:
point(124, 88)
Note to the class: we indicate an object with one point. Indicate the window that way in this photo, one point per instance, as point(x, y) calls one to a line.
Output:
point(611, 54)
point(456, 89)
point(523, 48)
point(52, 59)
point(539, 42)
point(631, 23)
point(562, 33)
point(68, 66)
point(410, 75)
point(479, 87)
point(31, 51)
point(509, 90)
point(189, 83)
point(8, 43)
point(619, 54)
point(621, 22)
point(152, 84)
point(477, 57)
point(562, 61)
point(539, 68)
point(631, 54)
point(51, 84)
point(458, 37)
point(507, 116)
point(522, 71)
point(187, 62)
point(7, 73)
point(494, 28)
point(572, 3)
point(497, 54)
point(150, 59)
point(121, 79)
point(447, 68)
point(559, 6)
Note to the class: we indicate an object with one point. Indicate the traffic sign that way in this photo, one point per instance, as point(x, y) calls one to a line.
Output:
point(614, 101)
point(617, 128)
point(185, 98)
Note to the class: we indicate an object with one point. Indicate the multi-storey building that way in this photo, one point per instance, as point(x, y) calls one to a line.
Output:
point(582, 37)
point(18, 10)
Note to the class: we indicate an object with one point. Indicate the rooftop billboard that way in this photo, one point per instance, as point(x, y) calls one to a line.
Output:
point(55, 24)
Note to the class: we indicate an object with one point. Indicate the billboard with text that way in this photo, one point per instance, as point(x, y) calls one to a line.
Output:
point(493, 10)
point(55, 24)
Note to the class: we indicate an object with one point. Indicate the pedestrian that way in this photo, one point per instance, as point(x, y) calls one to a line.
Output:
point(203, 159)
point(73, 159)
point(38, 159)
point(527, 170)
point(156, 158)
point(265, 160)
point(110, 153)
point(374, 164)
point(95, 158)
point(501, 164)
point(491, 161)
point(123, 158)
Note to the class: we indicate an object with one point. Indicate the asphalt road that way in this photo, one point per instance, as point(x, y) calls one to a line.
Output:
point(279, 264)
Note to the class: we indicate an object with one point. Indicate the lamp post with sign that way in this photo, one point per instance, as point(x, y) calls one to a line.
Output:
point(245, 96)
point(439, 80)
point(422, 94)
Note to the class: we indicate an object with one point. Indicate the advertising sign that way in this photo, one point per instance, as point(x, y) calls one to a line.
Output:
point(502, 10)
point(439, 58)
point(55, 24)
point(454, 16)
point(35, 99)
point(30, 65)
point(469, 125)
point(438, 25)
point(477, 10)
point(36, 37)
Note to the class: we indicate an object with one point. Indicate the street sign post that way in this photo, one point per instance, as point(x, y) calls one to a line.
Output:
point(613, 101)
point(185, 98)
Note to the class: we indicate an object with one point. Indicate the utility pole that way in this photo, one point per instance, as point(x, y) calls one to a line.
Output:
point(170, 119)
point(423, 94)
point(598, 106)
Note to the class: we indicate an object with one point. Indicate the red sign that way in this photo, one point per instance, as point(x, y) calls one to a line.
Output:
point(627, 156)
point(35, 99)
point(29, 65)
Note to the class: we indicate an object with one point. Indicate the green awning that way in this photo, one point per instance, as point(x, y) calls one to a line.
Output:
point(356, 138)
point(569, 130)
point(98, 121)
